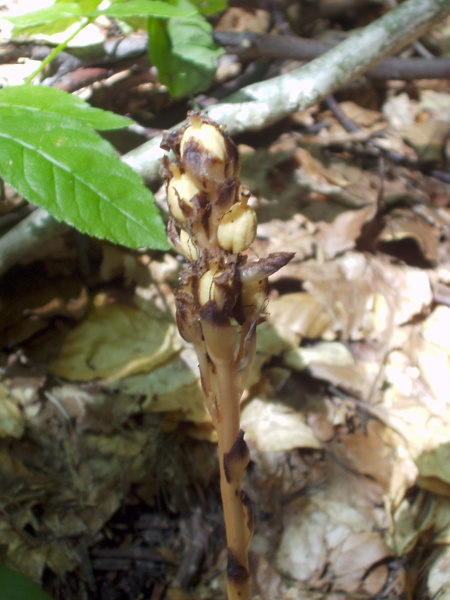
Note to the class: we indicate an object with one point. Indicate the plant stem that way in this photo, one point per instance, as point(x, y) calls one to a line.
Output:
point(236, 516)
point(54, 53)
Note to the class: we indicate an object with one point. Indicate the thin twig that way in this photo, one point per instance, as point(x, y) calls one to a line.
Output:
point(251, 46)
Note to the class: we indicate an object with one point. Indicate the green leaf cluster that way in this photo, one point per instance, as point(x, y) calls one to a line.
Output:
point(51, 154)
point(180, 41)
point(183, 51)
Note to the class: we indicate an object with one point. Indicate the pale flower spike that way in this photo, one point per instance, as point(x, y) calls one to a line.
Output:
point(220, 302)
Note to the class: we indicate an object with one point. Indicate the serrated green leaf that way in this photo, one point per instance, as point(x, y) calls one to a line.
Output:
point(47, 100)
point(15, 586)
point(77, 177)
point(184, 54)
point(144, 8)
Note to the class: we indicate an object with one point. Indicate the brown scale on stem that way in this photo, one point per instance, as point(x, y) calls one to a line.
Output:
point(220, 302)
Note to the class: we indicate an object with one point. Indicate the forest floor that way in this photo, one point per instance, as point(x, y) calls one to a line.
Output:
point(108, 474)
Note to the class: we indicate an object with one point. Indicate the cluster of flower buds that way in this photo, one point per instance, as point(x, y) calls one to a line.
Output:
point(211, 224)
point(220, 300)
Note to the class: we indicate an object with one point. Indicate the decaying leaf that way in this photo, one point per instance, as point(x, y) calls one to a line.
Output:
point(272, 427)
point(116, 340)
point(11, 418)
point(332, 527)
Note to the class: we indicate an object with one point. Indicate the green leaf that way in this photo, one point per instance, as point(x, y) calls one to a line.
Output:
point(15, 586)
point(184, 54)
point(49, 20)
point(145, 8)
point(68, 169)
point(45, 100)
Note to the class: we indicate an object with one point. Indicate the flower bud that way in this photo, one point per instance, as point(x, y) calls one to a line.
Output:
point(207, 287)
point(253, 296)
point(187, 318)
point(237, 229)
point(215, 285)
point(205, 152)
point(187, 246)
point(180, 191)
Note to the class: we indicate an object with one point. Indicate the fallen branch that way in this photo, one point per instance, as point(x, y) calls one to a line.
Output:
point(22, 242)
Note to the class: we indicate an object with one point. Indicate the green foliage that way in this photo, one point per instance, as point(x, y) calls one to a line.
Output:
point(183, 51)
point(59, 16)
point(15, 586)
point(180, 41)
point(50, 154)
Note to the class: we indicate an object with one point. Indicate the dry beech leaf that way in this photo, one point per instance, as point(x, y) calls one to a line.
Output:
point(117, 340)
point(274, 427)
point(171, 388)
point(438, 581)
point(375, 581)
point(417, 396)
point(366, 296)
point(433, 353)
point(342, 233)
point(329, 535)
point(442, 520)
point(404, 224)
point(326, 353)
point(357, 553)
point(301, 313)
point(363, 117)
point(297, 234)
point(400, 111)
point(371, 452)
point(339, 182)
point(11, 417)
point(332, 362)
point(427, 139)
point(272, 340)
point(410, 520)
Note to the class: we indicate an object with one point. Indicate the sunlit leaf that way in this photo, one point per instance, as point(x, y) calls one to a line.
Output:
point(57, 163)
point(46, 100)
point(184, 53)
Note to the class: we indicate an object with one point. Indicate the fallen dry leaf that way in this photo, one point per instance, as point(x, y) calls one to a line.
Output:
point(322, 532)
point(117, 340)
point(273, 427)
